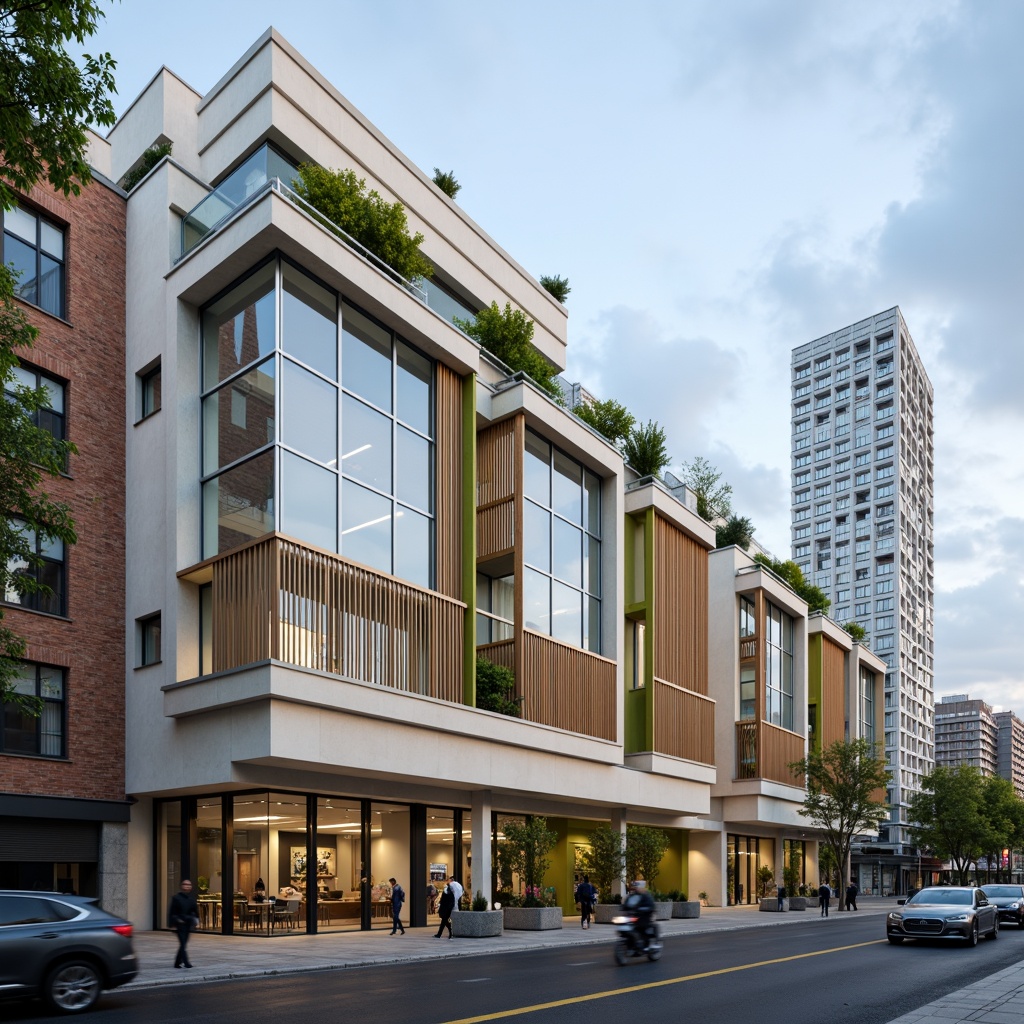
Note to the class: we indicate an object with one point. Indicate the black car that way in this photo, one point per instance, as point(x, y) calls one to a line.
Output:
point(1009, 900)
point(63, 948)
point(943, 912)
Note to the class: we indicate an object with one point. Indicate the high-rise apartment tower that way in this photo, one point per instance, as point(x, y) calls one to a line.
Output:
point(863, 452)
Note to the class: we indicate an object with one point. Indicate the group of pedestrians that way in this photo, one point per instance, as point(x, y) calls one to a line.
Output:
point(825, 894)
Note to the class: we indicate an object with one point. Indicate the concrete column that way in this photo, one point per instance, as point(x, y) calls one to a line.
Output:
point(480, 844)
point(618, 824)
point(113, 867)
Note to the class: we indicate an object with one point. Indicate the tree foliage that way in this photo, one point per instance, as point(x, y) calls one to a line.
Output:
point(841, 782)
point(380, 226)
point(605, 861)
point(495, 688)
point(47, 98)
point(524, 851)
point(645, 846)
point(609, 418)
point(714, 498)
point(856, 630)
point(644, 449)
point(793, 575)
point(446, 182)
point(557, 287)
point(508, 334)
point(736, 530)
point(962, 814)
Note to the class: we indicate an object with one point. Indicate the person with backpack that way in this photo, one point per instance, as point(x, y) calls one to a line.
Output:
point(397, 900)
point(445, 910)
point(586, 896)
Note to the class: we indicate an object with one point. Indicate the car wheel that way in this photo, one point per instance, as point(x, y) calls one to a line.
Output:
point(895, 939)
point(995, 929)
point(972, 938)
point(72, 987)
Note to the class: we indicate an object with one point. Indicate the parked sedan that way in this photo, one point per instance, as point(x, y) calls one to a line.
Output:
point(63, 948)
point(1009, 901)
point(944, 912)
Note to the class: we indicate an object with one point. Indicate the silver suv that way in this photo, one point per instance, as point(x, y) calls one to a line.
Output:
point(65, 949)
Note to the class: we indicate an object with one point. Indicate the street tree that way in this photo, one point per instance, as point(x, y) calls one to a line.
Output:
point(842, 781)
point(1005, 813)
point(46, 101)
point(951, 816)
point(714, 498)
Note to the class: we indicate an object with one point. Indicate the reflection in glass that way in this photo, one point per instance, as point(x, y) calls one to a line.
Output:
point(413, 547)
point(413, 467)
point(366, 444)
point(592, 574)
point(366, 358)
point(365, 527)
point(241, 327)
point(592, 636)
point(567, 499)
point(309, 509)
point(168, 850)
point(566, 614)
point(414, 379)
point(537, 536)
point(309, 414)
point(537, 470)
point(309, 322)
point(537, 601)
point(238, 505)
point(592, 502)
point(239, 417)
point(207, 880)
point(568, 552)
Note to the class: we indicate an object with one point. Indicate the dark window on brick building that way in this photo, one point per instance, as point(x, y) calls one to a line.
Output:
point(51, 416)
point(47, 568)
point(35, 247)
point(28, 734)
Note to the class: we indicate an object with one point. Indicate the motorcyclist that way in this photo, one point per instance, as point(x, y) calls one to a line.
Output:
point(640, 903)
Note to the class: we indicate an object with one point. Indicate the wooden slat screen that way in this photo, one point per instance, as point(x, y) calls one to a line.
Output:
point(566, 687)
point(496, 457)
point(684, 723)
point(303, 606)
point(764, 751)
point(448, 505)
point(501, 652)
point(681, 608)
point(833, 693)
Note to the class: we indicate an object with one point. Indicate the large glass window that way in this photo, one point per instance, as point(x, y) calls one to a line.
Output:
point(44, 571)
point(562, 546)
point(35, 248)
point(28, 734)
point(50, 417)
point(778, 667)
point(867, 705)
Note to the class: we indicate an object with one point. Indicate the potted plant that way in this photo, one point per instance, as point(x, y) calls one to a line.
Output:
point(645, 847)
point(480, 923)
point(605, 863)
point(682, 907)
point(524, 851)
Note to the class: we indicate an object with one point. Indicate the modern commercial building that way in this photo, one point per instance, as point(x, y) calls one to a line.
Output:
point(966, 732)
point(862, 531)
point(63, 811)
point(1010, 750)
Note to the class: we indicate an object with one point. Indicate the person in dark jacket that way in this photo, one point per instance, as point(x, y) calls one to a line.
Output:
point(183, 916)
point(824, 895)
point(641, 903)
point(851, 895)
point(445, 908)
point(397, 899)
point(586, 894)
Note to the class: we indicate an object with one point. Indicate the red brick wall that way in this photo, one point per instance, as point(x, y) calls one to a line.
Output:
point(87, 352)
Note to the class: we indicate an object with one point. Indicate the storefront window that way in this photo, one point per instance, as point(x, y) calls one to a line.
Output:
point(208, 883)
point(168, 851)
point(389, 858)
point(339, 864)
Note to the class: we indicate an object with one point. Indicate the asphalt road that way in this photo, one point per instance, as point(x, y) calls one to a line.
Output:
point(840, 969)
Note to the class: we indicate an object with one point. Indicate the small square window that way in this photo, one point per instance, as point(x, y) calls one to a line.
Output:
point(149, 389)
point(149, 640)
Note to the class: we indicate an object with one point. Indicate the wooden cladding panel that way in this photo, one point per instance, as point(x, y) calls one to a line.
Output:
point(566, 687)
point(448, 505)
point(494, 529)
point(680, 608)
point(833, 693)
point(498, 450)
point(764, 751)
point(684, 723)
point(303, 606)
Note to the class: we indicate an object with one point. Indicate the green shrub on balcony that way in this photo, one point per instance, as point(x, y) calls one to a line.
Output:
point(495, 688)
point(366, 216)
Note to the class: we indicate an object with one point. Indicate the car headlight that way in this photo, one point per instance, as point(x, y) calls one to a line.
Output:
point(895, 917)
point(1015, 905)
point(958, 917)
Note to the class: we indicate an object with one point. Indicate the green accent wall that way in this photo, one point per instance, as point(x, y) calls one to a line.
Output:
point(469, 537)
point(639, 702)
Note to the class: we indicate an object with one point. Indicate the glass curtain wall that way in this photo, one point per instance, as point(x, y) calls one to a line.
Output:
point(778, 667)
point(208, 880)
point(745, 856)
point(440, 856)
point(339, 863)
point(168, 855)
point(389, 858)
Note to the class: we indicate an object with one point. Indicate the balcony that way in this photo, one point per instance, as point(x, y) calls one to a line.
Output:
point(557, 681)
point(276, 599)
point(684, 723)
point(764, 751)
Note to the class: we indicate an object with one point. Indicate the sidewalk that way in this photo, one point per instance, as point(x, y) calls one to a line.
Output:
point(998, 999)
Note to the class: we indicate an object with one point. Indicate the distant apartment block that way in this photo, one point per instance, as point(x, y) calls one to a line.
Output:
point(862, 524)
point(966, 732)
point(1010, 750)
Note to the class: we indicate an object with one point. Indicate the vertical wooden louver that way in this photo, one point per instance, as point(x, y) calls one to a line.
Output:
point(832, 715)
point(448, 504)
point(496, 487)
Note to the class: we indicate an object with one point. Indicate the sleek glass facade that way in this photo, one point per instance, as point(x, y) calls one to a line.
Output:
point(293, 376)
point(778, 667)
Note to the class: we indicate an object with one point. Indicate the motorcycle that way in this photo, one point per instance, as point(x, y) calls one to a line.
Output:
point(631, 942)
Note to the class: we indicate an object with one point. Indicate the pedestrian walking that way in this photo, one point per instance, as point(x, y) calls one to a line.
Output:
point(824, 895)
point(444, 908)
point(586, 894)
point(782, 897)
point(183, 917)
point(851, 895)
point(456, 886)
point(397, 899)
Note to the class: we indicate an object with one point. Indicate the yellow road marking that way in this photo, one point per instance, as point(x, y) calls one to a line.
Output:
point(518, 1011)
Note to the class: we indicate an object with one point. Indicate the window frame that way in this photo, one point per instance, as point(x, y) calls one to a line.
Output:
point(37, 247)
point(62, 702)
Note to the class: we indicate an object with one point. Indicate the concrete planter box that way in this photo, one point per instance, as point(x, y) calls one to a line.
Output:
point(604, 912)
point(531, 919)
point(798, 902)
point(770, 904)
point(689, 908)
point(477, 924)
point(663, 910)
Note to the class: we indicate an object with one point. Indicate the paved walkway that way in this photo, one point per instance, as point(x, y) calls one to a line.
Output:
point(997, 999)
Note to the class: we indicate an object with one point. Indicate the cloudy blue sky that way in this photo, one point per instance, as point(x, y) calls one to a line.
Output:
point(721, 182)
